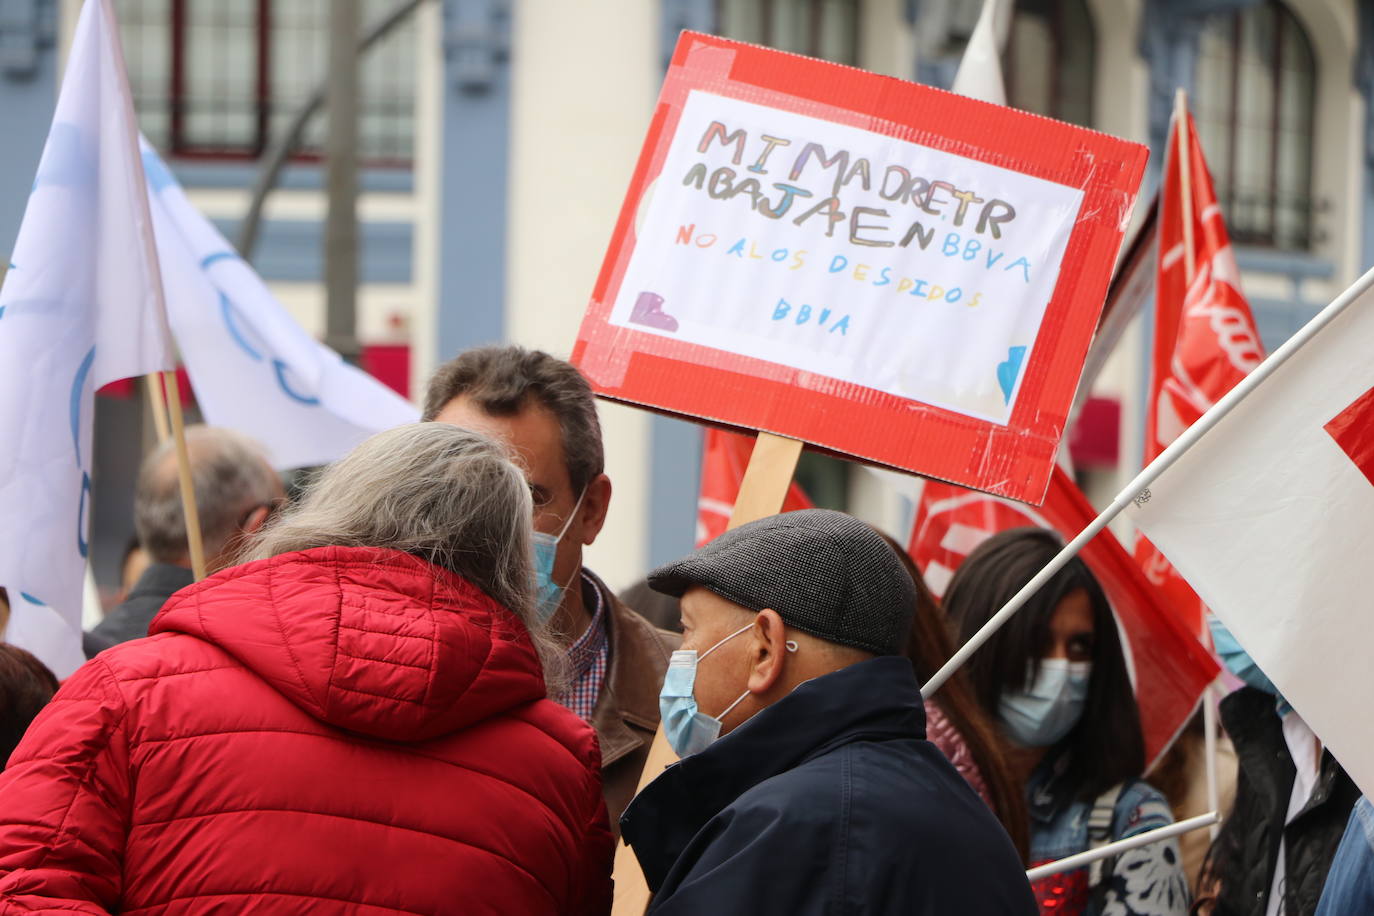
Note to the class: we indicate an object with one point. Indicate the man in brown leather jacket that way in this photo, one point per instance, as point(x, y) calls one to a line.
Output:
point(545, 410)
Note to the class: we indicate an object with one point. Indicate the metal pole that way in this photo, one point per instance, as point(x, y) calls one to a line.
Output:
point(1135, 842)
point(341, 160)
point(1162, 463)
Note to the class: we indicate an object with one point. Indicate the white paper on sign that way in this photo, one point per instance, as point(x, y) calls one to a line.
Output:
point(1270, 518)
point(254, 369)
point(848, 253)
point(80, 308)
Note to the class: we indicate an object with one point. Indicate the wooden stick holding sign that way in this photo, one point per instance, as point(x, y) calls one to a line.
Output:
point(761, 493)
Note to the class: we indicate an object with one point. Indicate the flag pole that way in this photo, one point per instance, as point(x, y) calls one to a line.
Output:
point(1185, 183)
point(1069, 863)
point(144, 225)
point(1138, 489)
point(158, 403)
point(1185, 180)
point(195, 545)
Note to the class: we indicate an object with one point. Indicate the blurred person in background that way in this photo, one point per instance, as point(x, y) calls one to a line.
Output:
point(1350, 882)
point(1293, 801)
point(954, 721)
point(1054, 679)
point(544, 409)
point(352, 720)
point(26, 686)
point(131, 567)
point(236, 492)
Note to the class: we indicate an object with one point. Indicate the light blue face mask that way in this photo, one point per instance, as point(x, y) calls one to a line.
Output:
point(1044, 713)
point(688, 730)
point(548, 593)
point(1239, 662)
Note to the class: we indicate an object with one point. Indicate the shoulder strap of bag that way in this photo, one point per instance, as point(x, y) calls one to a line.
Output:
point(1100, 829)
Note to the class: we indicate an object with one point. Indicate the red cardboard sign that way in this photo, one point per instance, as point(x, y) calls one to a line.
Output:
point(882, 269)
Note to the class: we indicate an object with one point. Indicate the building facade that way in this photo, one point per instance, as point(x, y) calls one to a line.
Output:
point(498, 138)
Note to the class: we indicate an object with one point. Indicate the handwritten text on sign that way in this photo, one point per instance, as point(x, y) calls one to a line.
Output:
point(847, 253)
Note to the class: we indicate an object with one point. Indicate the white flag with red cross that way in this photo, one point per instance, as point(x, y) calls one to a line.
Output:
point(1171, 669)
point(1270, 518)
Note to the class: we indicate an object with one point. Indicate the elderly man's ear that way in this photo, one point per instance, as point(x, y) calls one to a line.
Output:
point(769, 652)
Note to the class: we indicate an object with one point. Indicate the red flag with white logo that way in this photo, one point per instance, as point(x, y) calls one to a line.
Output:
point(1170, 667)
point(1205, 340)
point(725, 455)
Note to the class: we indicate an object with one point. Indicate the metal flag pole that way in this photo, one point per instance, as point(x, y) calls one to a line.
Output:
point(1138, 488)
point(1069, 863)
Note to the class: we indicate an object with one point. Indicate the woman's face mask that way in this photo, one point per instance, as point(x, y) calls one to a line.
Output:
point(1042, 714)
point(688, 730)
point(548, 593)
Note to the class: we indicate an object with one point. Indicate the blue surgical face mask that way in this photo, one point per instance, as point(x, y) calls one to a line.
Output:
point(549, 594)
point(1042, 714)
point(688, 730)
point(1239, 662)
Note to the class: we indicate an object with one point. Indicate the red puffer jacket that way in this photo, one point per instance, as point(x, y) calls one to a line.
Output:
point(336, 730)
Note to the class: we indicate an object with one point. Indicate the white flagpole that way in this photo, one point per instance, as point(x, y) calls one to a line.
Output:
point(1138, 489)
point(168, 381)
point(1135, 842)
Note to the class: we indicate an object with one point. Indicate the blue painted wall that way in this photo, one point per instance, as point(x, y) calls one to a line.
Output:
point(675, 445)
point(292, 251)
point(473, 200)
point(28, 92)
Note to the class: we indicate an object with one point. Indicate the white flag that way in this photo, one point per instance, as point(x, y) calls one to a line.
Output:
point(980, 70)
point(1270, 518)
point(254, 369)
point(81, 307)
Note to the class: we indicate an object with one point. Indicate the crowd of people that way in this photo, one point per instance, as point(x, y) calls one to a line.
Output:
point(404, 692)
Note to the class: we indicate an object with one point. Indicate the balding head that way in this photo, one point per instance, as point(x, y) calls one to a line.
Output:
point(235, 489)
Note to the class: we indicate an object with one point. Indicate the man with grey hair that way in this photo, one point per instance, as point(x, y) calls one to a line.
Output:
point(236, 492)
point(544, 410)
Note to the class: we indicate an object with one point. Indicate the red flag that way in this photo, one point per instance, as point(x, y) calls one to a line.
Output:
point(724, 458)
point(1171, 668)
point(1205, 340)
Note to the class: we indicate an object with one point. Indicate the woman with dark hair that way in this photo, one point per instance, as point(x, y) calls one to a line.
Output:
point(26, 686)
point(1054, 678)
point(954, 722)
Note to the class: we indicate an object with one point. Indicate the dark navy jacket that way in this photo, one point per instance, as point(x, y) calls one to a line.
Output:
point(830, 801)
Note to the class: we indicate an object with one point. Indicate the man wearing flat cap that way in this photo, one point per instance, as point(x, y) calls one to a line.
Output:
point(806, 784)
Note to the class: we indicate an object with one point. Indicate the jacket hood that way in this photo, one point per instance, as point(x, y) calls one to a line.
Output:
point(369, 640)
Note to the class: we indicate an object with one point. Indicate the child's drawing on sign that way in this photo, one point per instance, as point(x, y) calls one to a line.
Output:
point(847, 253)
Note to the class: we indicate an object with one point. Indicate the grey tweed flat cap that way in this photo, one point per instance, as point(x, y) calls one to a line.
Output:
point(825, 573)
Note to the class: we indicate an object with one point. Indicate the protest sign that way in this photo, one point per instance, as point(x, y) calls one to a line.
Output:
point(877, 268)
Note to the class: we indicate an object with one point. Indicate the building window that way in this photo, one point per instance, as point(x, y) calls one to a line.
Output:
point(1049, 61)
point(828, 29)
point(1256, 91)
point(222, 78)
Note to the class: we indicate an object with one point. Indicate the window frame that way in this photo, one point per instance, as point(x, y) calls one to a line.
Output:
point(816, 19)
point(1244, 231)
point(177, 100)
